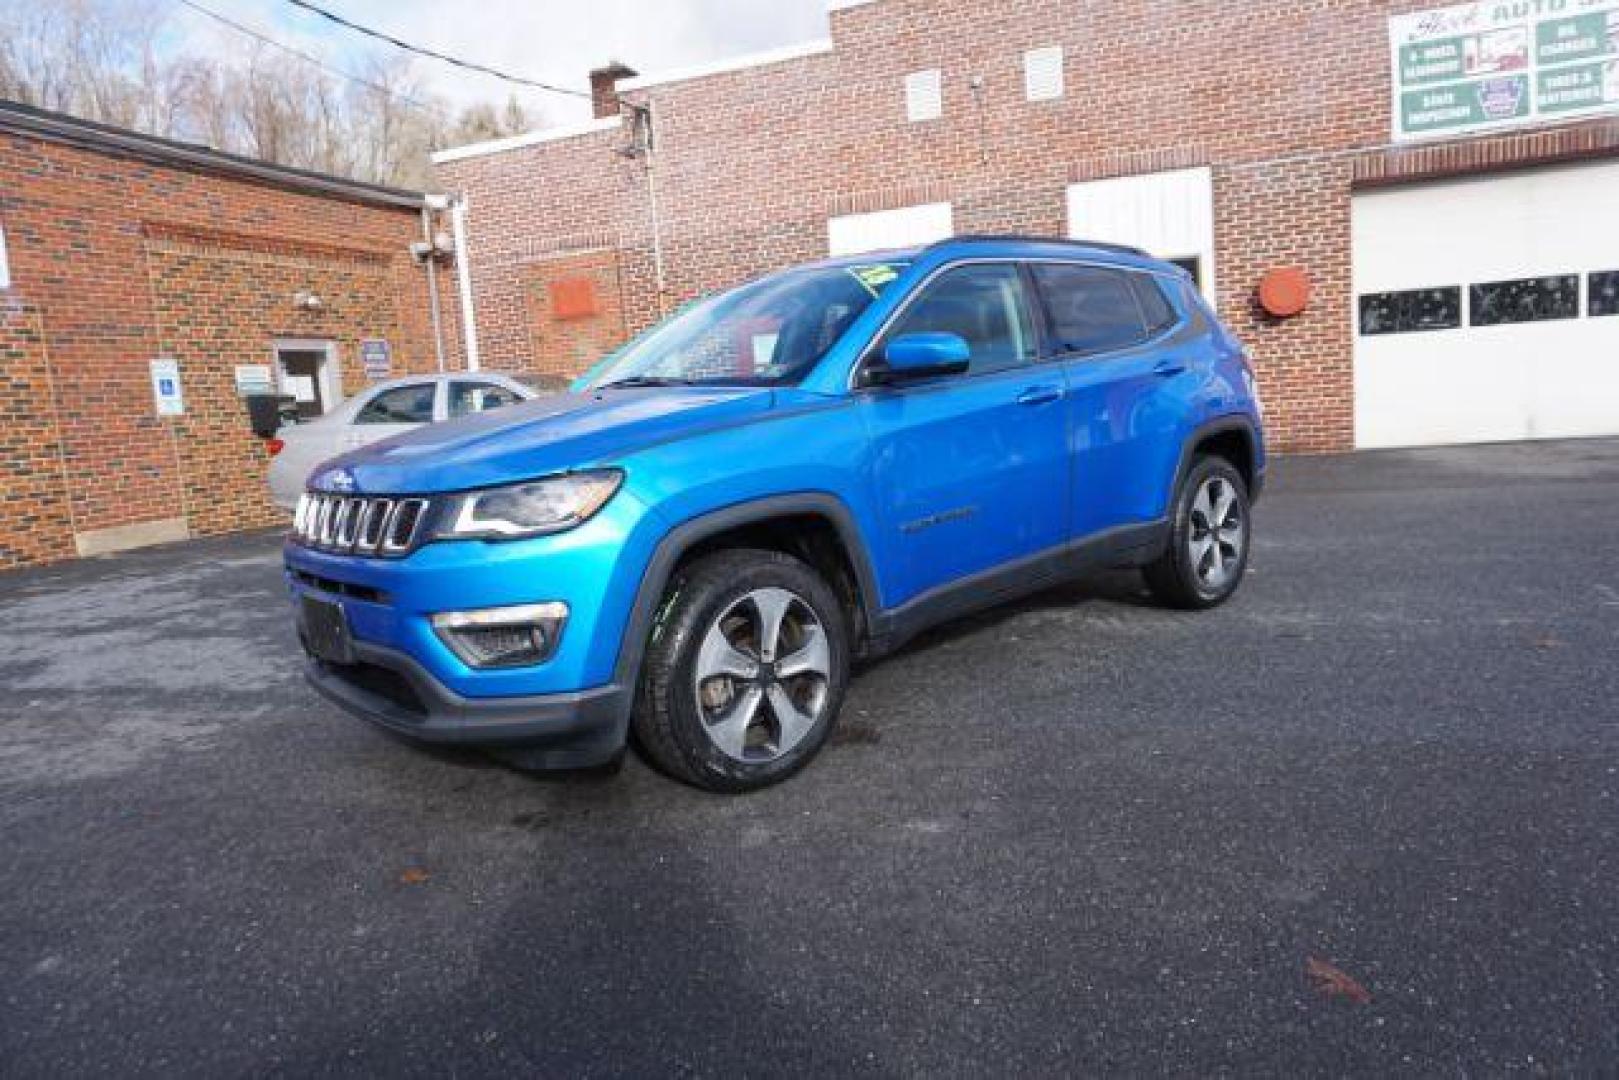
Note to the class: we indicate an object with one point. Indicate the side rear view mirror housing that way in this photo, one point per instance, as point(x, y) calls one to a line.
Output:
point(919, 356)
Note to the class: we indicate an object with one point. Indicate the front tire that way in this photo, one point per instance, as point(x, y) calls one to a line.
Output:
point(1208, 539)
point(745, 672)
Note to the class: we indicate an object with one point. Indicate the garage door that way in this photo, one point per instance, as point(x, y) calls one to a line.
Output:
point(1487, 309)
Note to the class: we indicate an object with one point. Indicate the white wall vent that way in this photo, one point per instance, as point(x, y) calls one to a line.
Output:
point(1042, 73)
point(924, 95)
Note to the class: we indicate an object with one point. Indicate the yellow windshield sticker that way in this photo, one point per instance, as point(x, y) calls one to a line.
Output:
point(875, 276)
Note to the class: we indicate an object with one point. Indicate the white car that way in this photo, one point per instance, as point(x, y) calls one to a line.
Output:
point(377, 412)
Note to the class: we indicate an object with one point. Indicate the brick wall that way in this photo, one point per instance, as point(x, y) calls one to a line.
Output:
point(33, 489)
point(119, 260)
point(564, 342)
point(1286, 101)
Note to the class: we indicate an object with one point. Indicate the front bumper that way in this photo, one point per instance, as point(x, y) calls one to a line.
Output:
point(388, 688)
point(565, 710)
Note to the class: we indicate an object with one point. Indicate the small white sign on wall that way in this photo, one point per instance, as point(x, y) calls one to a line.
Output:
point(253, 379)
point(166, 388)
point(302, 388)
point(5, 267)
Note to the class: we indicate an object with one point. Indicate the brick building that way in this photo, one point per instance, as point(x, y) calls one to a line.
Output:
point(118, 249)
point(1445, 178)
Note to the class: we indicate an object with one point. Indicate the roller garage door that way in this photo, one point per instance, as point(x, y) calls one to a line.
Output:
point(1487, 309)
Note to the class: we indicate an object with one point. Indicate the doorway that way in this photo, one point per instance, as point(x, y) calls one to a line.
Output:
point(307, 373)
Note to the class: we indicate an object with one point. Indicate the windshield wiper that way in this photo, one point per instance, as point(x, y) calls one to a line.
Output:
point(645, 380)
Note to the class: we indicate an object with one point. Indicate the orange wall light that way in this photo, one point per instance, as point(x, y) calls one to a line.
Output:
point(1284, 292)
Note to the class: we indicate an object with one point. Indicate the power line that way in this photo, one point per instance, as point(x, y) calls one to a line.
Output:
point(300, 54)
point(408, 47)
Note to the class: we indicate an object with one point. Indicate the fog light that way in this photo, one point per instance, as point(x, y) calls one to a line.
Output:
point(503, 637)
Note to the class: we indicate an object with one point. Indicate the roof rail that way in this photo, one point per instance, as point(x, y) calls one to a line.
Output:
point(1099, 245)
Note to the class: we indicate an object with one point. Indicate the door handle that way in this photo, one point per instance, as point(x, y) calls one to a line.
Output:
point(1166, 368)
point(1040, 395)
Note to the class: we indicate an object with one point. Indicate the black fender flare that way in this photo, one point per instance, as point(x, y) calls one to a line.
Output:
point(683, 537)
point(1220, 425)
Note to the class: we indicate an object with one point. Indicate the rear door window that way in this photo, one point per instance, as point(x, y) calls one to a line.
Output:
point(1092, 308)
point(401, 405)
point(476, 397)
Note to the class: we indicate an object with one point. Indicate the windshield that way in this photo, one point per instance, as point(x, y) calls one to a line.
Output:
point(767, 332)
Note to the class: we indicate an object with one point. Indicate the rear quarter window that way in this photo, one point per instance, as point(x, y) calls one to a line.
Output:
point(1156, 311)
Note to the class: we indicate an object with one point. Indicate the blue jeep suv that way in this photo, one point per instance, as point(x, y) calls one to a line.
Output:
point(695, 544)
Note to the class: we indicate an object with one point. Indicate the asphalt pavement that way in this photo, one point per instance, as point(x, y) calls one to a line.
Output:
point(1363, 819)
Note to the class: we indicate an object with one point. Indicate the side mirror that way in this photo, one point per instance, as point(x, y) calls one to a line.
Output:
point(920, 356)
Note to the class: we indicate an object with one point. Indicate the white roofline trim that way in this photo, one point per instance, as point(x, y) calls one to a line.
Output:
point(735, 63)
point(844, 5)
point(531, 138)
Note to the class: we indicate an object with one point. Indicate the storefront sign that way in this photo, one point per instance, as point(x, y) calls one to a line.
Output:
point(376, 358)
point(253, 379)
point(1479, 66)
point(166, 388)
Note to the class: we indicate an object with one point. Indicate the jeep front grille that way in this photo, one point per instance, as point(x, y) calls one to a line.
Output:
point(358, 524)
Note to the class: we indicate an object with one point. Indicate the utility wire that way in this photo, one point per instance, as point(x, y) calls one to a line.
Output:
point(300, 54)
point(408, 47)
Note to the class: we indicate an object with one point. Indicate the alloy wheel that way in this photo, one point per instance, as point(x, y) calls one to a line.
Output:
point(762, 675)
point(1217, 535)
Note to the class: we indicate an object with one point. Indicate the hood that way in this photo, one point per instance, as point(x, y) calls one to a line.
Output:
point(539, 437)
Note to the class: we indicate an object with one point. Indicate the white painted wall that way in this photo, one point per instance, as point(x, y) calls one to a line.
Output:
point(1489, 383)
point(909, 226)
point(1168, 214)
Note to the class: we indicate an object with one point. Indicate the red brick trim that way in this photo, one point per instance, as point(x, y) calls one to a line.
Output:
point(542, 249)
point(889, 198)
point(1394, 165)
point(1138, 162)
point(168, 235)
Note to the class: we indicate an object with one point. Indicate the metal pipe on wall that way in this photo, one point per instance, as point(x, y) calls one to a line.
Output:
point(463, 274)
point(430, 264)
point(657, 217)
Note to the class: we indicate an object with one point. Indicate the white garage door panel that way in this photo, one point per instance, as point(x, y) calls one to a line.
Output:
point(1168, 214)
point(1554, 379)
point(909, 226)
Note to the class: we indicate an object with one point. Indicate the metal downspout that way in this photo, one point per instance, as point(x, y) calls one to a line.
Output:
point(463, 275)
point(430, 264)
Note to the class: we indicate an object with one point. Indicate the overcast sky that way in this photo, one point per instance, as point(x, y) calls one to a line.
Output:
point(550, 40)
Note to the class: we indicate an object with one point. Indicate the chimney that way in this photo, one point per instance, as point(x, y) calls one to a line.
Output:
point(604, 87)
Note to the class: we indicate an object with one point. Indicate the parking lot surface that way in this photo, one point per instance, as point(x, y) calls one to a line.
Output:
point(1365, 818)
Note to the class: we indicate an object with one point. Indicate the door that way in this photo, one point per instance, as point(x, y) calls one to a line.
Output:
point(970, 470)
point(392, 411)
point(1128, 380)
point(1483, 311)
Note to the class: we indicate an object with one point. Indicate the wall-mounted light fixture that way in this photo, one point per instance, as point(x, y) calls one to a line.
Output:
point(304, 300)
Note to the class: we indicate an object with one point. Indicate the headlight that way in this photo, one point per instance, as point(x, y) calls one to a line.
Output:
point(535, 508)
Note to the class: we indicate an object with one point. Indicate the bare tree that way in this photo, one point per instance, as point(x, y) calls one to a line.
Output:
point(113, 61)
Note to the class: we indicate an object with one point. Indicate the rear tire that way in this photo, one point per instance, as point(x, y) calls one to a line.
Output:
point(1209, 535)
point(745, 671)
